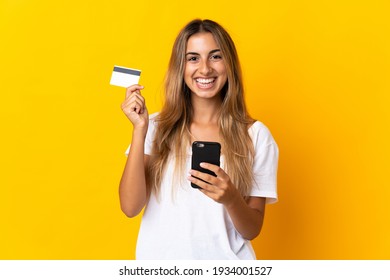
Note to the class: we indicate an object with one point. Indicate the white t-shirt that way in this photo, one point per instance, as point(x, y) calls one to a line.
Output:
point(183, 223)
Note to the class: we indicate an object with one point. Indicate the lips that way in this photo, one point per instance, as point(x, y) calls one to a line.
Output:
point(205, 83)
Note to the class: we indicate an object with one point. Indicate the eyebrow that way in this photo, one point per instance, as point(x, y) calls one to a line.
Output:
point(211, 52)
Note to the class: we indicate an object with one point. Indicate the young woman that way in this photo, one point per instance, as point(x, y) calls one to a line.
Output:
point(203, 102)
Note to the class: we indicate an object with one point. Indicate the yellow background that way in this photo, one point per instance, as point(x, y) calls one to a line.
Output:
point(317, 73)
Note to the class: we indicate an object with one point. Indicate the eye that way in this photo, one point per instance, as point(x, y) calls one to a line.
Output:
point(216, 57)
point(192, 58)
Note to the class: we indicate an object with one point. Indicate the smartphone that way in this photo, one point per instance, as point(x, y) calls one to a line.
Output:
point(209, 152)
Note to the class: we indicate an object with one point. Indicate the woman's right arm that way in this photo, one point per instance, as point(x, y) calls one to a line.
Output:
point(132, 188)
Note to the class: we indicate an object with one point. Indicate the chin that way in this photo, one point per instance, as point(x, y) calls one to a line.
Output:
point(207, 95)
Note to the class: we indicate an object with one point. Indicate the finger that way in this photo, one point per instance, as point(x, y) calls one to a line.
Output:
point(133, 88)
point(201, 184)
point(130, 94)
point(204, 176)
point(213, 195)
point(144, 110)
point(129, 107)
point(134, 98)
point(141, 102)
point(207, 188)
point(137, 106)
point(215, 168)
point(139, 97)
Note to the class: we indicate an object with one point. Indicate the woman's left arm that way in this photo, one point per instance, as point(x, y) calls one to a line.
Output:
point(247, 215)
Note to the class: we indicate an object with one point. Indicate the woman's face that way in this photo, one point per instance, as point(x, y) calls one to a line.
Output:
point(205, 71)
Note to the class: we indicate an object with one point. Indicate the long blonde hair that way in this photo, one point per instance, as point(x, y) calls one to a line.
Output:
point(172, 133)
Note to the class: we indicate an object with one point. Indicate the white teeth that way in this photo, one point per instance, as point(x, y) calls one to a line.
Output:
point(205, 81)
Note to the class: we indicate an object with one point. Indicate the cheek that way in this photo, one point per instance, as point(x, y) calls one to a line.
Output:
point(187, 72)
point(187, 76)
point(221, 69)
point(223, 73)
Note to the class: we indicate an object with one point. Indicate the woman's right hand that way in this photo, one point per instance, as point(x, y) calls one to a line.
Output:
point(135, 109)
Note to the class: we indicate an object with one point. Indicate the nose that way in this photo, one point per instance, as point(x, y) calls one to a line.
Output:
point(204, 68)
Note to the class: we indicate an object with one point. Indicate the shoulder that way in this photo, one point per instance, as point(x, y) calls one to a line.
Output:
point(153, 116)
point(152, 127)
point(257, 126)
point(260, 133)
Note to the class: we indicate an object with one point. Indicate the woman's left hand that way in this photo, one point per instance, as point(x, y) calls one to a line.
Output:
point(219, 188)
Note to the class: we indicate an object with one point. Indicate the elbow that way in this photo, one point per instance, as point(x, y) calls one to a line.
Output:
point(255, 232)
point(131, 206)
point(257, 225)
point(130, 212)
point(252, 235)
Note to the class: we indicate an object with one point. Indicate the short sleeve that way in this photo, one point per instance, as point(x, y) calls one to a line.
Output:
point(265, 165)
point(149, 135)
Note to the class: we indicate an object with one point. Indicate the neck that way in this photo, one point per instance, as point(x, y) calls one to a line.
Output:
point(206, 111)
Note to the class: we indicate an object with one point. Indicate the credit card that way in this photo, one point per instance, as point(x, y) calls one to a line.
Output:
point(124, 77)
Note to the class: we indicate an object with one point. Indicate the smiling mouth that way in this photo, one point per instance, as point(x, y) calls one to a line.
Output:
point(205, 83)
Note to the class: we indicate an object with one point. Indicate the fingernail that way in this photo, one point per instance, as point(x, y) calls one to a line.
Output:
point(202, 164)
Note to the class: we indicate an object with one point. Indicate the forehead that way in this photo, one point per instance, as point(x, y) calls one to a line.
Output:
point(201, 42)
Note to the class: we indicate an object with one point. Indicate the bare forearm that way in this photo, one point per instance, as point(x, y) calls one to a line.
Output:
point(132, 189)
point(247, 221)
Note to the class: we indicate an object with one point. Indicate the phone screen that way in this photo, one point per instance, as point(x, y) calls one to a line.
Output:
point(209, 152)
